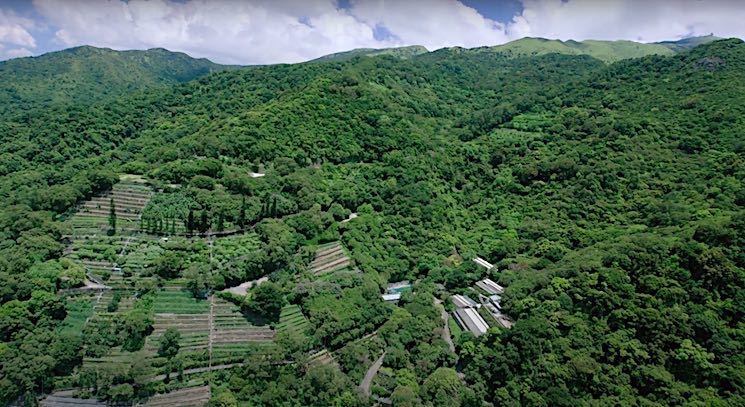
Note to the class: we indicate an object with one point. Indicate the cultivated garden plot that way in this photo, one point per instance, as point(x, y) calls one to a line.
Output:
point(323, 357)
point(234, 334)
point(189, 397)
point(291, 319)
point(79, 309)
point(140, 255)
point(229, 251)
point(194, 336)
point(330, 258)
point(54, 400)
point(177, 301)
point(92, 217)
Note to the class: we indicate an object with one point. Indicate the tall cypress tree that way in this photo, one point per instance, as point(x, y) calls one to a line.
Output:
point(273, 211)
point(190, 221)
point(112, 217)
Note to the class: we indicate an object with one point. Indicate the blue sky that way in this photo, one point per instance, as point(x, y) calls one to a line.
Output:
point(274, 31)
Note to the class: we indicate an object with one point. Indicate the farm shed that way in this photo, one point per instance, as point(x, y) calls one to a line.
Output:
point(490, 286)
point(469, 319)
point(461, 301)
point(483, 263)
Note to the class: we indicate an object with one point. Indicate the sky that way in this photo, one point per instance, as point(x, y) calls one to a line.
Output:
point(287, 31)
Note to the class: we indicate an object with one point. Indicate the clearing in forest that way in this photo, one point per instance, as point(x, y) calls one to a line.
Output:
point(330, 258)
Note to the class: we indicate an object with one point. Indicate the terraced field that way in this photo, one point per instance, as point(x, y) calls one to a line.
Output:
point(102, 315)
point(63, 400)
point(177, 309)
point(189, 397)
point(292, 319)
point(141, 253)
point(79, 309)
point(234, 334)
point(330, 258)
point(323, 357)
point(176, 301)
point(92, 217)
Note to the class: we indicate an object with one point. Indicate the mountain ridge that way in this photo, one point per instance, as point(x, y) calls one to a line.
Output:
point(90, 74)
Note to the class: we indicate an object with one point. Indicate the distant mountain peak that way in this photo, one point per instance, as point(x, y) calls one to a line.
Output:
point(399, 52)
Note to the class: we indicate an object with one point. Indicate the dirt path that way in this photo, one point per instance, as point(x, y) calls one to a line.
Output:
point(446, 330)
point(370, 375)
point(196, 370)
point(211, 318)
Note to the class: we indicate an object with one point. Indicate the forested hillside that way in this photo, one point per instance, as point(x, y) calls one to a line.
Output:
point(83, 75)
point(608, 196)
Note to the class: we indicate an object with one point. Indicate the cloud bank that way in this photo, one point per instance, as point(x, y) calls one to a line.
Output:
point(273, 31)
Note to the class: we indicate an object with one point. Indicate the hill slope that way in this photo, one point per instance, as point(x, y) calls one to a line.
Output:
point(86, 74)
point(608, 51)
point(608, 196)
point(400, 52)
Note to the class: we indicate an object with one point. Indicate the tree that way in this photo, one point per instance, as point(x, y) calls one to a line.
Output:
point(198, 279)
point(190, 222)
point(169, 343)
point(267, 300)
point(442, 387)
point(112, 218)
point(169, 265)
point(204, 222)
point(405, 396)
point(242, 213)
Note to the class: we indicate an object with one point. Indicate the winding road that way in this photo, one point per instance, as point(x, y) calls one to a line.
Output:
point(370, 375)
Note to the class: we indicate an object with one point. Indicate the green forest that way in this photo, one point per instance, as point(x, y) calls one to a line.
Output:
point(226, 233)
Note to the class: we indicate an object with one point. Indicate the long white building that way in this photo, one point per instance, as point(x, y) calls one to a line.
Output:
point(470, 320)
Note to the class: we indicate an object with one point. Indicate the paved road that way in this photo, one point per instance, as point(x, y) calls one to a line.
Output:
point(370, 375)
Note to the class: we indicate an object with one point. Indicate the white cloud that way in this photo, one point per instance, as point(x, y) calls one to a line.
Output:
point(636, 20)
point(15, 36)
point(270, 31)
point(433, 23)
point(225, 31)
point(265, 31)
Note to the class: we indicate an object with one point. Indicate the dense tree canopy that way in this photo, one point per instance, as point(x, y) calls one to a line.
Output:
point(609, 196)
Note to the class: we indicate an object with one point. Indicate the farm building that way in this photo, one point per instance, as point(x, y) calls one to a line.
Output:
point(469, 319)
point(495, 300)
point(461, 301)
point(483, 263)
point(490, 286)
point(398, 287)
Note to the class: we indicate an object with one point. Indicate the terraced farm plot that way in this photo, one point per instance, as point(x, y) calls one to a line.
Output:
point(323, 357)
point(175, 301)
point(54, 400)
point(330, 258)
point(234, 335)
point(140, 255)
point(291, 319)
point(194, 330)
point(93, 215)
point(98, 254)
point(79, 309)
point(189, 397)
